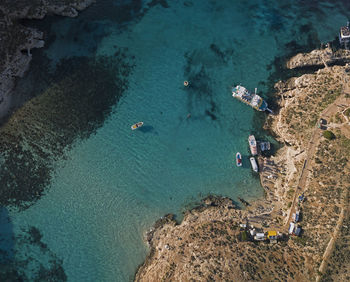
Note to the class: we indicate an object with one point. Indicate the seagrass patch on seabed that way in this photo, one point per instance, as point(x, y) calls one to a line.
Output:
point(81, 96)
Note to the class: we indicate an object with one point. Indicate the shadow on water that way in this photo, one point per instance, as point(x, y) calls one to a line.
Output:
point(146, 129)
point(246, 162)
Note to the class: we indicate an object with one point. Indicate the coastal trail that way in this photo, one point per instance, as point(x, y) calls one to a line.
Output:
point(310, 152)
point(326, 114)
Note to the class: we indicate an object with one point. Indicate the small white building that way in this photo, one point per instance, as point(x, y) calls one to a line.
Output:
point(291, 228)
point(260, 237)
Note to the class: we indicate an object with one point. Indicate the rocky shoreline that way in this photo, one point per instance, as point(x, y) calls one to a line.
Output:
point(208, 245)
point(17, 40)
point(318, 58)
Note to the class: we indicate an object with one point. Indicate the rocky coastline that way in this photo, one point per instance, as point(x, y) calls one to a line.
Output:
point(319, 57)
point(208, 244)
point(16, 40)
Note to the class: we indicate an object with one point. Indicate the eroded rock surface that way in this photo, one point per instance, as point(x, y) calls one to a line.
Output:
point(319, 58)
point(16, 40)
point(209, 245)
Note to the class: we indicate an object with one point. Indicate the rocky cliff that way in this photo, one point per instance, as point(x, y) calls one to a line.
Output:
point(212, 244)
point(319, 58)
point(16, 40)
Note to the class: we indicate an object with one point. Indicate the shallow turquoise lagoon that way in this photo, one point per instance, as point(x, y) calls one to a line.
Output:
point(114, 185)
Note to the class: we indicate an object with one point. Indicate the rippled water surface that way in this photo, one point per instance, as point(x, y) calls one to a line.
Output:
point(104, 185)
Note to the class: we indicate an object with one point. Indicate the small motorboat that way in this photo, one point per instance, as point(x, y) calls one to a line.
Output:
point(136, 125)
point(238, 159)
point(254, 164)
point(252, 145)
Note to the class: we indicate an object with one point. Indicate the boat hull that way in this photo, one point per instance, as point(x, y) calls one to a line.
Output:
point(238, 159)
point(254, 164)
point(137, 125)
point(253, 100)
point(253, 145)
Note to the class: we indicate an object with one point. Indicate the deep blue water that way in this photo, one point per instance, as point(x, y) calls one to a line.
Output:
point(110, 187)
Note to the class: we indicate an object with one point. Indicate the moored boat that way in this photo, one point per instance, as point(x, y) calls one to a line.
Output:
point(137, 125)
point(264, 146)
point(238, 159)
point(253, 100)
point(252, 145)
point(254, 164)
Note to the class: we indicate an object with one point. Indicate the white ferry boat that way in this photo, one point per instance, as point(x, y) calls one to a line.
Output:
point(253, 100)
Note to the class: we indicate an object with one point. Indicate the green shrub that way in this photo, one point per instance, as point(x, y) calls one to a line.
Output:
point(347, 112)
point(244, 236)
point(328, 135)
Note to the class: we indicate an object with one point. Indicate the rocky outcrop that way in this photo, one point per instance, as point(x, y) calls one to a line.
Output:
point(16, 40)
point(209, 244)
point(38, 9)
point(319, 58)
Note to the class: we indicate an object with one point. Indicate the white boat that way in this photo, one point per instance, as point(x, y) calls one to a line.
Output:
point(137, 125)
point(238, 159)
point(253, 100)
point(254, 164)
point(252, 145)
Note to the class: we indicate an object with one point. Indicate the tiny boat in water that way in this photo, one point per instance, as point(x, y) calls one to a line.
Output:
point(238, 159)
point(254, 164)
point(136, 125)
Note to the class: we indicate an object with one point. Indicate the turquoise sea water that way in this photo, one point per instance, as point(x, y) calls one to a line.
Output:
point(111, 187)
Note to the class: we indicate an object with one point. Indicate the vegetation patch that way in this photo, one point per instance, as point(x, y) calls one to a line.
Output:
point(328, 135)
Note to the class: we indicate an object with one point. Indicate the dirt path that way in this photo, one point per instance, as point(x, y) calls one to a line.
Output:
point(329, 250)
point(331, 110)
point(312, 146)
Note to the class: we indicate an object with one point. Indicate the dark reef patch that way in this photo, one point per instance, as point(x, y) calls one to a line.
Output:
point(163, 3)
point(22, 263)
point(81, 94)
point(120, 12)
point(223, 55)
point(199, 64)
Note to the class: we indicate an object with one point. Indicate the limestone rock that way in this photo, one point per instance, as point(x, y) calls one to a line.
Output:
point(318, 58)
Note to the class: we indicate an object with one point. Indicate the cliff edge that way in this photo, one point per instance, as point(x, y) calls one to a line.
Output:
point(16, 40)
point(318, 58)
point(215, 241)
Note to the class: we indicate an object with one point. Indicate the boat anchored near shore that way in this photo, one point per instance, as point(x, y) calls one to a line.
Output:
point(254, 164)
point(253, 100)
point(253, 145)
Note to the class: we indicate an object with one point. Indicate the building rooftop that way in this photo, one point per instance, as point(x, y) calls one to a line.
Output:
point(271, 233)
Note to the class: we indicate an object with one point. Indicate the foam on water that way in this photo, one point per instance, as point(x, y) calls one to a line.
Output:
point(114, 185)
